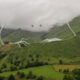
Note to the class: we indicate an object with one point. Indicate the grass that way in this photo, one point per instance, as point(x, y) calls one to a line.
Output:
point(63, 67)
point(68, 51)
point(46, 71)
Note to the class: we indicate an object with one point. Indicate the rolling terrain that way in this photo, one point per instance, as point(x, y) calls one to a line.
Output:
point(46, 71)
point(39, 57)
point(57, 31)
point(67, 50)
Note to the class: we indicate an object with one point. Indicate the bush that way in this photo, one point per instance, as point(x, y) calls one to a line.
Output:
point(40, 78)
point(37, 55)
point(1, 78)
point(11, 77)
point(2, 55)
point(6, 42)
point(76, 74)
point(30, 55)
point(60, 62)
point(22, 45)
point(4, 65)
point(13, 68)
point(32, 59)
point(60, 70)
point(67, 77)
point(18, 73)
point(22, 75)
point(16, 63)
point(31, 76)
point(66, 71)
point(0, 71)
point(46, 63)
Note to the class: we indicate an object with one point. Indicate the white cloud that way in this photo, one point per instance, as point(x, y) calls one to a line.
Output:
point(24, 13)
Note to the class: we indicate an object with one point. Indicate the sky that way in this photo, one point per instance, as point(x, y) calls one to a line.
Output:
point(24, 13)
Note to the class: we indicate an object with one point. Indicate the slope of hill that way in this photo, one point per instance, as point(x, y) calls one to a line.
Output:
point(7, 31)
point(62, 32)
point(31, 36)
point(45, 71)
point(64, 49)
point(12, 57)
point(68, 49)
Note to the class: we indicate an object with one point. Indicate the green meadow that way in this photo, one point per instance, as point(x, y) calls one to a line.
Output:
point(47, 71)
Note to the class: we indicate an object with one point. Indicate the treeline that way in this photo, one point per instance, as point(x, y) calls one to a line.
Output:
point(14, 67)
point(16, 63)
point(74, 75)
point(22, 75)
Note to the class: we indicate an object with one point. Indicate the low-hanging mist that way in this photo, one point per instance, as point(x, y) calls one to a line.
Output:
point(24, 13)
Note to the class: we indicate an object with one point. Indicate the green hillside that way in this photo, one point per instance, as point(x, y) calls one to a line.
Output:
point(63, 31)
point(57, 31)
point(43, 52)
point(57, 49)
point(19, 33)
point(46, 71)
point(13, 58)
point(40, 57)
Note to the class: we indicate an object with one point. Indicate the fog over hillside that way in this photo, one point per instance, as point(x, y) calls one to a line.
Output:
point(24, 13)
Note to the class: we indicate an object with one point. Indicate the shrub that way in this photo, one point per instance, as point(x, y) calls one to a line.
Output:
point(6, 42)
point(29, 76)
point(11, 77)
point(1, 78)
point(67, 77)
point(13, 68)
point(60, 70)
point(66, 71)
point(0, 71)
point(40, 78)
point(4, 65)
point(37, 55)
point(16, 63)
point(22, 75)
point(30, 55)
point(32, 59)
point(60, 62)
point(18, 73)
point(76, 74)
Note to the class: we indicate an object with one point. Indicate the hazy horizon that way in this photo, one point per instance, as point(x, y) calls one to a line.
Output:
point(24, 13)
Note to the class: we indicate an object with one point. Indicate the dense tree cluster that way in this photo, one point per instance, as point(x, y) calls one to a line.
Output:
point(22, 76)
point(75, 75)
point(68, 77)
point(18, 63)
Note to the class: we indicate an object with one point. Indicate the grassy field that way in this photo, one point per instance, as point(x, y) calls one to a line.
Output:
point(63, 67)
point(46, 71)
